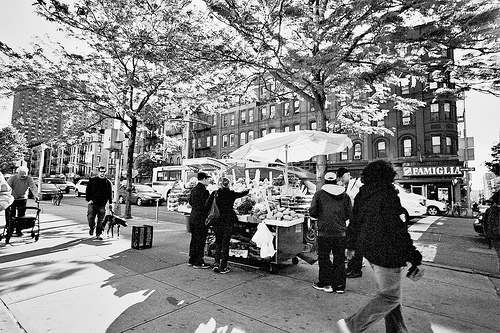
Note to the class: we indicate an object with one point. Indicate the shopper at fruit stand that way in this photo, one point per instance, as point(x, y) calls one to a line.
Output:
point(377, 227)
point(223, 228)
point(199, 231)
point(332, 207)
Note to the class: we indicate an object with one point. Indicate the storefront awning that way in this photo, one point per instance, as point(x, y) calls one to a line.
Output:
point(425, 180)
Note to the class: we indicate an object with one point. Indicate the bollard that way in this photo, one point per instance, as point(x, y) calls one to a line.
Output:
point(157, 208)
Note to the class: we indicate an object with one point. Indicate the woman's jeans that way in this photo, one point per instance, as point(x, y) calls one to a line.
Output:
point(385, 304)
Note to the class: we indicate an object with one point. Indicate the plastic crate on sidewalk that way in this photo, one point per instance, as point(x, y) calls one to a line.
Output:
point(142, 237)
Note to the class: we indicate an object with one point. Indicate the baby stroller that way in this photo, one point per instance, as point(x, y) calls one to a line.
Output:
point(25, 221)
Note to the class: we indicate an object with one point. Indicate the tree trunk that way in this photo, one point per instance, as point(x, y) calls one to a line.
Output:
point(130, 166)
point(319, 107)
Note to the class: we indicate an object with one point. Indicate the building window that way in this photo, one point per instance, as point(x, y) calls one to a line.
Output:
point(447, 111)
point(407, 147)
point(406, 118)
point(405, 85)
point(272, 112)
point(296, 106)
point(263, 112)
point(296, 127)
point(208, 141)
point(214, 140)
point(231, 139)
point(344, 154)
point(434, 112)
point(224, 120)
point(286, 129)
point(232, 119)
point(449, 147)
point(224, 140)
point(286, 109)
point(357, 151)
point(436, 145)
point(433, 85)
point(250, 136)
point(243, 138)
point(243, 117)
point(381, 123)
point(198, 143)
point(381, 149)
point(312, 109)
point(250, 116)
point(263, 132)
point(313, 125)
point(272, 130)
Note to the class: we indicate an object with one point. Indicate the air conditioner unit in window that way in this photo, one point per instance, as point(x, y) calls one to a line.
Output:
point(406, 121)
point(357, 157)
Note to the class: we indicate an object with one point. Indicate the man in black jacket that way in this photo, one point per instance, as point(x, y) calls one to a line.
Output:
point(98, 194)
point(199, 231)
point(332, 207)
point(378, 228)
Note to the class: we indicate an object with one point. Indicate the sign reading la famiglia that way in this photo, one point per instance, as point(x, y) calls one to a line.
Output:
point(432, 171)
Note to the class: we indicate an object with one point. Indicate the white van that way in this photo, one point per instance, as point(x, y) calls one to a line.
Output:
point(433, 207)
point(165, 177)
point(413, 205)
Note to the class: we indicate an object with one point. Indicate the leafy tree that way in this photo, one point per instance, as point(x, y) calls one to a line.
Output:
point(355, 51)
point(131, 67)
point(494, 165)
point(13, 147)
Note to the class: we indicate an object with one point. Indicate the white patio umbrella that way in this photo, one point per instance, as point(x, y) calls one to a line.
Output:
point(292, 146)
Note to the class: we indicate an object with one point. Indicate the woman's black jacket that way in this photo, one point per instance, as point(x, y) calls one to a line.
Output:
point(377, 229)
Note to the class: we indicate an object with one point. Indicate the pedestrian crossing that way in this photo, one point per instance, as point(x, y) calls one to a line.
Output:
point(427, 250)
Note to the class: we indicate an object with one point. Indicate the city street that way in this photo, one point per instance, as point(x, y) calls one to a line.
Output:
point(153, 290)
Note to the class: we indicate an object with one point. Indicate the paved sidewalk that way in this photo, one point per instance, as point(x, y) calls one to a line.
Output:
point(67, 282)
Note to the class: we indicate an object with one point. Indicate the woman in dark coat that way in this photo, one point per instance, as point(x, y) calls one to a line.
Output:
point(378, 228)
point(223, 227)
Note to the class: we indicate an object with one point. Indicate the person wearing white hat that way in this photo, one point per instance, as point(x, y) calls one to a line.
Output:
point(19, 183)
point(332, 207)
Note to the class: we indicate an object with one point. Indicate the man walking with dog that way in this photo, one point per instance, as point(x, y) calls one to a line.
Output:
point(98, 194)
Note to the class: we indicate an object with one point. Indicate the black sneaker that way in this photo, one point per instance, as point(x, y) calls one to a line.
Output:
point(340, 289)
point(98, 237)
point(216, 269)
point(203, 266)
point(19, 234)
point(224, 270)
point(190, 264)
point(91, 232)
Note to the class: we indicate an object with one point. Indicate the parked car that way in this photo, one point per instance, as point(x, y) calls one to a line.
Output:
point(46, 192)
point(81, 187)
point(59, 182)
point(141, 195)
point(71, 186)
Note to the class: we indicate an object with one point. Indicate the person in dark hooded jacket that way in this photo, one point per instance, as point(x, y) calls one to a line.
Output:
point(378, 228)
point(223, 228)
point(332, 207)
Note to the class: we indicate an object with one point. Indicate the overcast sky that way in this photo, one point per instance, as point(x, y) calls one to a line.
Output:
point(18, 24)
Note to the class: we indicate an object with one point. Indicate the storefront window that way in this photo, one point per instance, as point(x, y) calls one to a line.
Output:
point(286, 129)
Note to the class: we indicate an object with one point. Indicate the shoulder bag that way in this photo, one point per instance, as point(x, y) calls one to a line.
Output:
point(213, 215)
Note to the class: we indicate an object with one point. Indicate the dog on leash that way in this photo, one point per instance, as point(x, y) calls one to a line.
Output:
point(114, 221)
